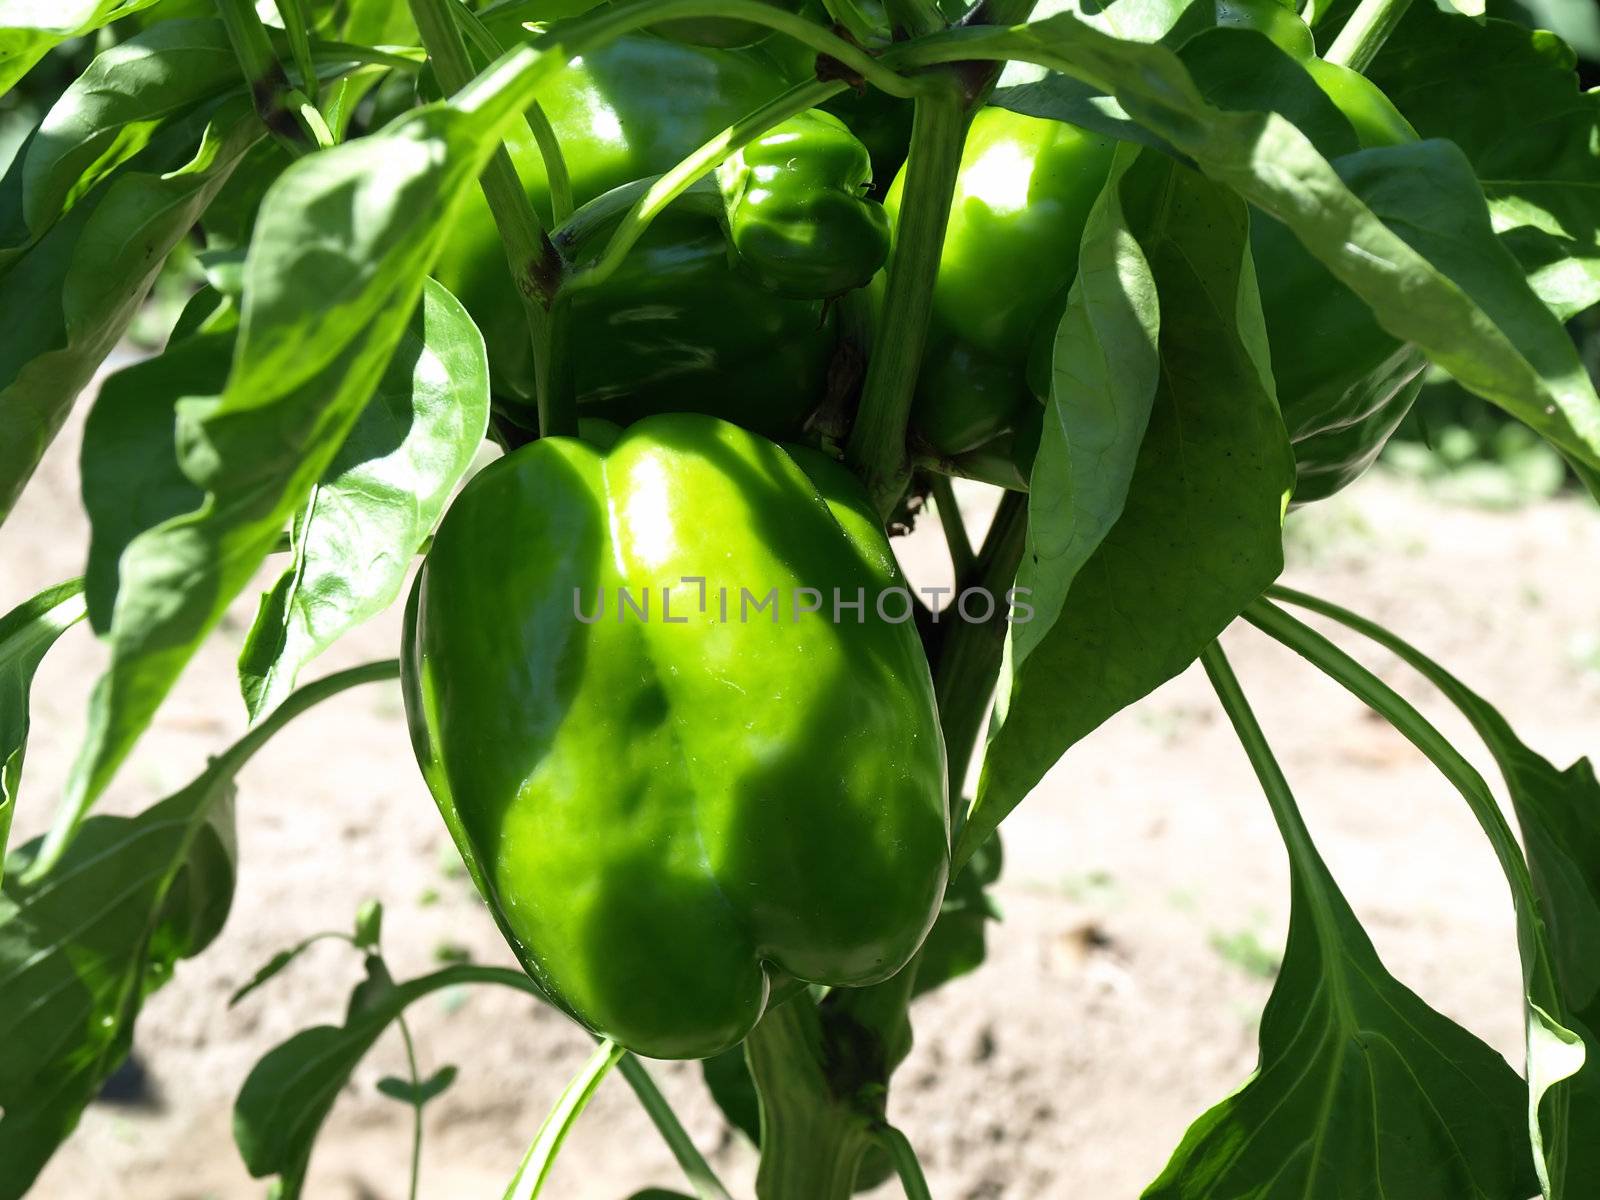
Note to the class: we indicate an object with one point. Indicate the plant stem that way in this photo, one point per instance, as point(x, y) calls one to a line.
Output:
point(877, 445)
point(541, 1156)
point(1256, 747)
point(955, 530)
point(905, 1164)
point(416, 1106)
point(401, 58)
point(531, 258)
point(297, 27)
point(544, 134)
point(695, 1168)
point(1408, 722)
point(1365, 32)
point(263, 73)
point(811, 1144)
point(968, 660)
point(683, 175)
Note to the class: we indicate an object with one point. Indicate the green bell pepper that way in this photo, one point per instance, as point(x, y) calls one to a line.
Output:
point(1010, 254)
point(626, 112)
point(667, 813)
point(677, 329)
point(797, 208)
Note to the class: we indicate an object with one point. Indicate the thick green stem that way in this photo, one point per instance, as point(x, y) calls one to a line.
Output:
point(297, 28)
point(529, 255)
point(544, 134)
point(1365, 32)
point(969, 654)
point(877, 446)
point(263, 73)
point(812, 1144)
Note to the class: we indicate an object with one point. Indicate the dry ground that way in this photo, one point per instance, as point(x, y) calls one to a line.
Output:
point(1145, 891)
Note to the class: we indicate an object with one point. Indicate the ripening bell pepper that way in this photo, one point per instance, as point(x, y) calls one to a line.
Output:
point(671, 799)
point(1010, 252)
point(1024, 192)
point(798, 211)
point(626, 112)
point(677, 329)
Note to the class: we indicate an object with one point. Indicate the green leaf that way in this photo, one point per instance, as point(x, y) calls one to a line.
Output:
point(70, 297)
point(369, 925)
point(1149, 539)
point(1362, 1089)
point(26, 634)
point(274, 965)
point(29, 28)
point(110, 112)
point(179, 527)
point(1510, 98)
point(417, 1094)
point(1405, 228)
point(355, 538)
point(82, 946)
point(335, 268)
point(291, 1090)
point(1559, 812)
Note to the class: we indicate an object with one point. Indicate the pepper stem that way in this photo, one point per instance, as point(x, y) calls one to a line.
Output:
point(1365, 32)
point(877, 446)
point(812, 1141)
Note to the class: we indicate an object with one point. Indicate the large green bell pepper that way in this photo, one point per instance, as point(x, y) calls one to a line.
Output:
point(1010, 255)
point(798, 211)
point(666, 813)
point(626, 112)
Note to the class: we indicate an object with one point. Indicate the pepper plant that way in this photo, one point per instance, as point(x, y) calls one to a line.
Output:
point(736, 288)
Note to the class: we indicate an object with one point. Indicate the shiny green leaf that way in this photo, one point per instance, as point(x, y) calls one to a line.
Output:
point(1559, 812)
point(1511, 99)
point(26, 633)
point(71, 296)
point(110, 112)
point(81, 946)
point(354, 540)
point(179, 528)
point(1151, 538)
point(1362, 1089)
point(29, 28)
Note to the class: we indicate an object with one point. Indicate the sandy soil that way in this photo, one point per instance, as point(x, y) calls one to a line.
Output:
point(1145, 891)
